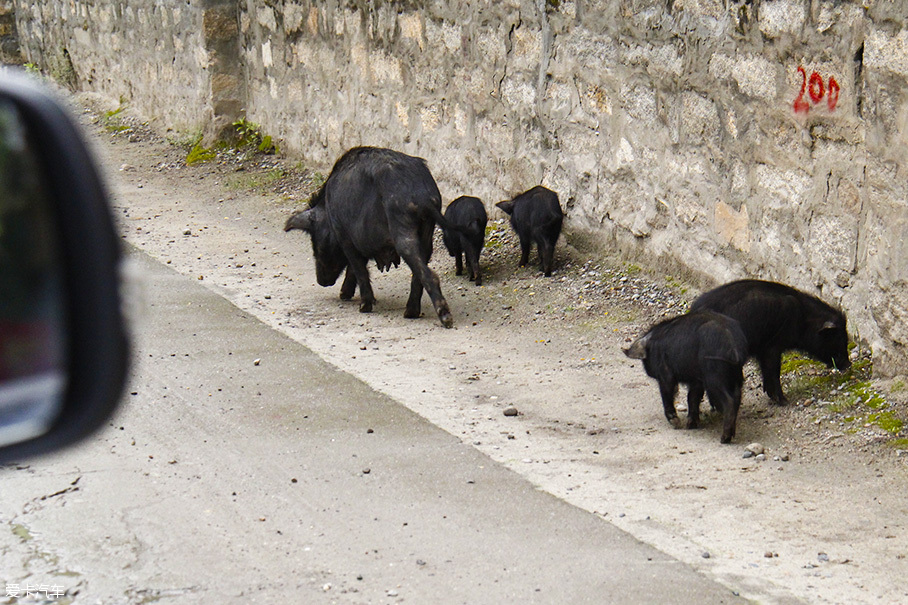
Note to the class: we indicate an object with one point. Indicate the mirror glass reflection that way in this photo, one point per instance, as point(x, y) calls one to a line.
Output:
point(32, 299)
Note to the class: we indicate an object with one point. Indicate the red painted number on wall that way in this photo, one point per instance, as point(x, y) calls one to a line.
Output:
point(815, 90)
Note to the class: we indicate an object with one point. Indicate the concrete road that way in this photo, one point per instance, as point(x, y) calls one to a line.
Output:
point(243, 469)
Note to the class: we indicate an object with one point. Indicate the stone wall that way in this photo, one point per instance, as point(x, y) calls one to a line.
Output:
point(726, 138)
point(9, 37)
point(150, 54)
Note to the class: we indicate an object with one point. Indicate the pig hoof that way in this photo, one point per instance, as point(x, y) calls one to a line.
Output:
point(346, 296)
point(365, 307)
point(693, 423)
point(676, 422)
point(726, 439)
point(447, 320)
point(412, 314)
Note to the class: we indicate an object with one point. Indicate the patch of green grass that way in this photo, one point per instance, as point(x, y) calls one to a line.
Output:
point(886, 421)
point(186, 139)
point(318, 179)
point(898, 443)
point(112, 120)
point(863, 393)
point(675, 284)
point(494, 234)
point(849, 393)
point(793, 362)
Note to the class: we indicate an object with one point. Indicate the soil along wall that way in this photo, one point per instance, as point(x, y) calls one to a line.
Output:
point(751, 138)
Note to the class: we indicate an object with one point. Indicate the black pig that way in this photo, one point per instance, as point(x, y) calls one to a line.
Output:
point(777, 318)
point(376, 204)
point(704, 350)
point(469, 214)
point(536, 216)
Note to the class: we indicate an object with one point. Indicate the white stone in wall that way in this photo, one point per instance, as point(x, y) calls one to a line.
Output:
point(882, 51)
point(622, 157)
point(411, 28)
point(402, 115)
point(782, 188)
point(386, 69)
point(461, 120)
point(754, 75)
point(518, 94)
point(265, 17)
point(782, 16)
point(443, 35)
point(267, 59)
point(293, 17)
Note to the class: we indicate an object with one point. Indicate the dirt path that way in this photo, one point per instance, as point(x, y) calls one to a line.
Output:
point(821, 519)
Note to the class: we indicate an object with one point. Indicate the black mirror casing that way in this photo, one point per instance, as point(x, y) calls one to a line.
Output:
point(96, 354)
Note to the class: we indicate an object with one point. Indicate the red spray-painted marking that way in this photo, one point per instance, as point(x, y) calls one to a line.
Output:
point(816, 89)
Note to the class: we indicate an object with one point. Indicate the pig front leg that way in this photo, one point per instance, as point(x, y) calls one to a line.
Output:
point(348, 288)
point(771, 368)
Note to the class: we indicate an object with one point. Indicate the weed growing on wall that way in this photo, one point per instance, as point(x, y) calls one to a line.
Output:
point(250, 134)
point(248, 140)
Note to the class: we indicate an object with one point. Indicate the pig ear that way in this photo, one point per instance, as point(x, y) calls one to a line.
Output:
point(300, 220)
point(829, 326)
point(637, 350)
point(507, 206)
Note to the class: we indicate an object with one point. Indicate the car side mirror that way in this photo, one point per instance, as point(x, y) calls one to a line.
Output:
point(63, 344)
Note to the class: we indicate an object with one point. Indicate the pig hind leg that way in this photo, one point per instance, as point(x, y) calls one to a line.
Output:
point(695, 392)
point(668, 388)
point(416, 252)
point(472, 254)
point(723, 386)
point(525, 245)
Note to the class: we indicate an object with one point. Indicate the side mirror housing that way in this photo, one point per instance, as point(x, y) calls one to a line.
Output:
point(63, 342)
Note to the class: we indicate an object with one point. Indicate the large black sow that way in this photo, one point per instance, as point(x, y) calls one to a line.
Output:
point(469, 214)
point(705, 351)
point(778, 318)
point(376, 204)
point(536, 216)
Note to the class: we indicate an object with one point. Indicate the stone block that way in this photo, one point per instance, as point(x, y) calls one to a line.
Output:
point(883, 51)
point(782, 17)
point(699, 119)
point(733, 226)
point(754, 75)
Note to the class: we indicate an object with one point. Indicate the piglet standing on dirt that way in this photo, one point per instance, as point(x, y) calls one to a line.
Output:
point(376, 204)
point(705, 351)
point(536, 216)
point(778, 318)
point(469, 215)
